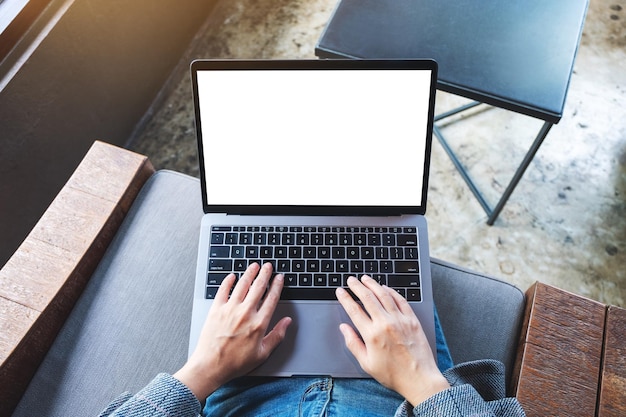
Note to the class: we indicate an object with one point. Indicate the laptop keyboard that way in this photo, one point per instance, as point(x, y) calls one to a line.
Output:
point(315, 259)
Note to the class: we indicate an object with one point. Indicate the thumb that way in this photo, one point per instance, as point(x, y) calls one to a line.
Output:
point(354, 343)
point(276, 335)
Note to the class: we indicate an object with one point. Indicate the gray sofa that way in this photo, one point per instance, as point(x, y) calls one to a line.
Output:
point(132, 320)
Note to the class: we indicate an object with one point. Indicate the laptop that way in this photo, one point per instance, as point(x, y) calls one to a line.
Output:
point(320, 167)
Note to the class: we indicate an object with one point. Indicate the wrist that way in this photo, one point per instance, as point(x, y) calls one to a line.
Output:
point(198, 382)
point(426, 389)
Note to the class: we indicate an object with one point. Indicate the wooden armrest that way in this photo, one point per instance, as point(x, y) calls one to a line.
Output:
point(612, 399)
point(43, 279)
point(570, 350)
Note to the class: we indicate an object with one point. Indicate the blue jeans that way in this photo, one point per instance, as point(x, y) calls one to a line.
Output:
point(310, 396)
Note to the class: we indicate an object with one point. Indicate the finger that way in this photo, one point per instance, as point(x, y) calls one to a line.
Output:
point(223, 291)
point(259, 285)
point(370, 301)
point(353, 309)
point(273, 296)
point(243, 285)
point(383, 296)
point(354, 343)
point(275, 336)
point(401, 302)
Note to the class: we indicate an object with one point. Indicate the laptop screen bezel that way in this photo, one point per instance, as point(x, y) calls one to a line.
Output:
point(338, 64)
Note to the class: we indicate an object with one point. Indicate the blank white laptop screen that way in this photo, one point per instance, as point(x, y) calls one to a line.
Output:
point(314, 138)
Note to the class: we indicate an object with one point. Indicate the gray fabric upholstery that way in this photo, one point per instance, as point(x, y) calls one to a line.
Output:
point(481, 316)
point(132, 321)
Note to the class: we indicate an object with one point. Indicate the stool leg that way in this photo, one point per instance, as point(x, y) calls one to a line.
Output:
point(520, 172)
point(461, 169)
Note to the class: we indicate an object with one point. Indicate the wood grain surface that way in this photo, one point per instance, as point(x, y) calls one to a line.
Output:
point(43, 279)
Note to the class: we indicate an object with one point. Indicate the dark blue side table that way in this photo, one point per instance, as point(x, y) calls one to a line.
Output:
point(517, 55)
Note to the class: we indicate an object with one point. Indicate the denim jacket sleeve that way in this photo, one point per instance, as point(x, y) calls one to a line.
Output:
point(165, 396)
point(477, 389)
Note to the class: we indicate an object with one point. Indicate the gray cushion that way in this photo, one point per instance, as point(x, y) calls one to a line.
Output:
point(132, 321)
point(481, 316)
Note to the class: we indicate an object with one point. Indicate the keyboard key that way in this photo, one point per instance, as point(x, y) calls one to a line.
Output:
point(331, 239)
point(319, 280)
point(309, 252)
point(371, 267)
point(353, 252)
point(273, 239)
point(327, 266)
point(339, 252)
point(373, 239)
point(231, 238)
point(291, 280)
point(406, 266)
point(217, 238)
point(334, 280)
point(312, 293)
point(220, 265)
point(215, 278)
point(238, 252)
point(407, 240)
point(357, 267)
point(396, 253)
point(313, 266)
point(413, 294)
point(342, 266)
point(401, 291)
point(305, 280)
point(295, 252)
point(219, 251)
point(283, 266)
point(408, 280)
point(389, 239)
point(367, 253)
point(323, 252)
point(288, 239)
point(382, 253)
point(260, 239)
point(386, 267)
point(298, 266)
point(380, 278)
point(245, 239)
point(317, 239)
point(210, 292)
point(240, 265)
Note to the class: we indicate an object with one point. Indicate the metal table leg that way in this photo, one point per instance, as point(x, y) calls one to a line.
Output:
point(543, 132)
point(491, 213)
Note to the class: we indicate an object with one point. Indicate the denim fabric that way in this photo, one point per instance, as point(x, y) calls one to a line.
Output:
point(303, 396)
point(444, 359)
point(278, 397)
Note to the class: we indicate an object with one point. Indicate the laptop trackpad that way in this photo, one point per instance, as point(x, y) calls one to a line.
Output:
point(314, 344)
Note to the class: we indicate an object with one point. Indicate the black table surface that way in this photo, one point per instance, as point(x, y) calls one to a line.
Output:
point(515, 54)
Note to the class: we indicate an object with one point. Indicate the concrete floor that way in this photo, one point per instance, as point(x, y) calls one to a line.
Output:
point(565, 224)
